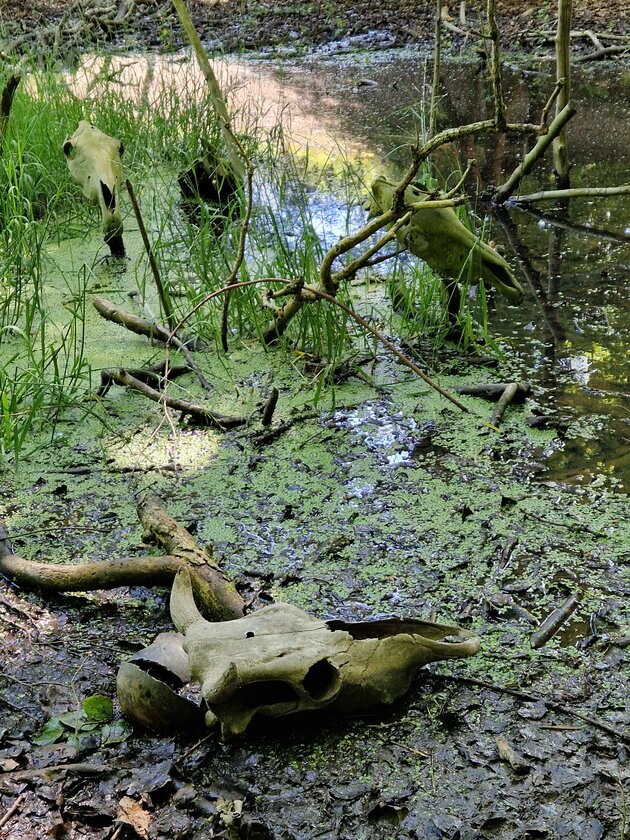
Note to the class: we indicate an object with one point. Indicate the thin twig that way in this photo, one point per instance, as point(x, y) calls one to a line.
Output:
point(5, 819)
point(319, 293)
point(164, 298)
point(533, 698)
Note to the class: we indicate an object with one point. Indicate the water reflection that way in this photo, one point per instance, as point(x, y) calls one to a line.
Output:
point(573, 258)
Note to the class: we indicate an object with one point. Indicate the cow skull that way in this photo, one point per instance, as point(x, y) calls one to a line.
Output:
point(280, 660)
point(94, 161)
point(437, 236)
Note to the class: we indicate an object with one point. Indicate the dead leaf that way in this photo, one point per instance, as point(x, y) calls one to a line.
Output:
point(507, 753)
point(132, 813)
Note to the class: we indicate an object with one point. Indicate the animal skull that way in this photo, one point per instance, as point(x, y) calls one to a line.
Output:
point(437, 236)
point(94, 161)
point(280, 660)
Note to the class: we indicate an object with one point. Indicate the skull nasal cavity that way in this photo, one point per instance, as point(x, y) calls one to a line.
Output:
point(319, 679)
point(109, 197)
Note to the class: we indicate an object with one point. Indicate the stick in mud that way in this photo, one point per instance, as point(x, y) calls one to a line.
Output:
point(555, 620)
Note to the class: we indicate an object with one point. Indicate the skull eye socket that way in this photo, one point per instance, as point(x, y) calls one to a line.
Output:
point(69, 150)
point(320, 679)
point(264, 693)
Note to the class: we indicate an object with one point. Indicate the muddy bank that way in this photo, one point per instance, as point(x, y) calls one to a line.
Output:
point(337, 26)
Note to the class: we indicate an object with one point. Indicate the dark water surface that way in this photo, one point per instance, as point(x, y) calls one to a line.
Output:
point(573, 259)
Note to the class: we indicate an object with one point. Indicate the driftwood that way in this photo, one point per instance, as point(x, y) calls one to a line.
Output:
point(554, 621)
point(504, 392)
point(216, 594)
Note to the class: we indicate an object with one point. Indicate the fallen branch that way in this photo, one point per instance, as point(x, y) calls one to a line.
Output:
point(141, 326)
point(554, 621)
point(506, 190)
point(152, 330)
point(214, 90)
point(575, 192)
point(270, 407)
point(155, 374)
point(505, 399)
point(198, 414)
point(602, 52)
point(217, 595)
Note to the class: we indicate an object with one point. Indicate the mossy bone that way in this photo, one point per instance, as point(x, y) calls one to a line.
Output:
point(280, 660)
point(437, 236)
point(95, 162)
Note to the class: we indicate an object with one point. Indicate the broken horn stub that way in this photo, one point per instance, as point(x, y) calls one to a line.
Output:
point(147, 685)
point(95, 162)
point(280, 660)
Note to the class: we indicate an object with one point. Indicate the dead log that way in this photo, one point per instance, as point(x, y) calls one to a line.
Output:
point(216, 594)
point(198, 414)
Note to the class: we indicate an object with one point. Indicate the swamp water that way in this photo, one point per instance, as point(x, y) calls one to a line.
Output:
point(390, 503)
point(571, 334)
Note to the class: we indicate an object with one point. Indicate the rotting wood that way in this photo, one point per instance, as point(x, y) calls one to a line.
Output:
point(151, 374)
point(508, 753)
point(151, 329)
point(198, 414)
point(554, 621)
point(270, 407)
point(215, 593)
point(141, 326)
point(575, 192)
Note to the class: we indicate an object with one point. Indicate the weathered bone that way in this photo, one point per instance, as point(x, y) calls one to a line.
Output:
point(437, 236)
point(94, 161)
point(147, 686)
point(280, 660)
